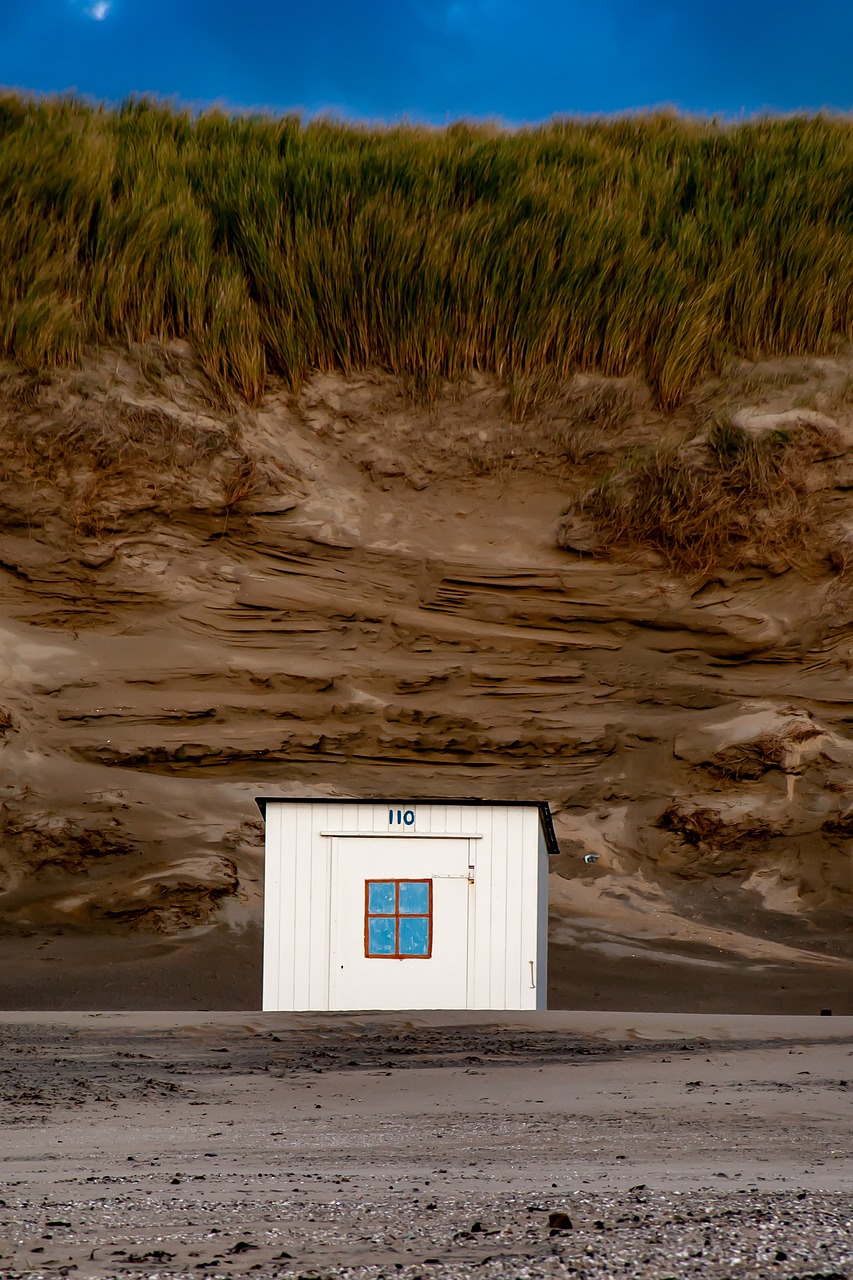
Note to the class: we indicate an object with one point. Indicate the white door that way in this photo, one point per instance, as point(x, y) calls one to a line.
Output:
point(399, 925)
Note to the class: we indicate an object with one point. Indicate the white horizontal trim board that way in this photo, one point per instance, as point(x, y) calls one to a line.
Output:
point(406, 835)
point(488, 924)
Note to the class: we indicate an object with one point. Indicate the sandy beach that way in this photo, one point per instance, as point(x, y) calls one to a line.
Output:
point(441, 1145)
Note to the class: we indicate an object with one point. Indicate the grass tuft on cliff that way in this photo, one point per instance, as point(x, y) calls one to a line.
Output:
point(659, 245)
point(731, 499)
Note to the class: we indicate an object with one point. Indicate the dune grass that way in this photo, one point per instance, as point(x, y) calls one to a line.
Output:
point(656, 245)
point(734, 500)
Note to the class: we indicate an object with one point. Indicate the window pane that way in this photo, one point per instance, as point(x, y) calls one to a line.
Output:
point(381, 937)
point(380, 898)
point(414, 898)
point(414, 936)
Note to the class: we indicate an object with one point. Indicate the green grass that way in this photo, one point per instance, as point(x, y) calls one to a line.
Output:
point(655, 245)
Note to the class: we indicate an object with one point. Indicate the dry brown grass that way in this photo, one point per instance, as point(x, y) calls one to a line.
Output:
point(239, 480)
point(559, 424)
point(836, 399)
point(840, 827)
point(699, 826)
point(757, 386)
point(112, 438)
point(95, 455)
point(591, 401)
point(737, 499)
point(495, 457)
point(751, 760)
point(22, 389)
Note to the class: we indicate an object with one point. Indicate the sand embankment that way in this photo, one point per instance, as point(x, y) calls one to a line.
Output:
point(345, 592)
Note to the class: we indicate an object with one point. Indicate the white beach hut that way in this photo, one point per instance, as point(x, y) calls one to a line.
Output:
point(401, 904)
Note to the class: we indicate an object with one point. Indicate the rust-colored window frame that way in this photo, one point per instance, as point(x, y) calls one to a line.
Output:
point(396, 917)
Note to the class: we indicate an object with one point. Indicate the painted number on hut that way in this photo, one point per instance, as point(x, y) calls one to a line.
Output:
point(401, 817)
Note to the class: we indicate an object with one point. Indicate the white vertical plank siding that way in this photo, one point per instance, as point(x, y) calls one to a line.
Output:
point(530, 917)
point(475, 850)
point(542, 920)
point(515, 904)
point(505, 824)
point(275, 924)
point(523, 994)
point(302, 856)
point(290, 905)
point(480, 944)
point(318, 956)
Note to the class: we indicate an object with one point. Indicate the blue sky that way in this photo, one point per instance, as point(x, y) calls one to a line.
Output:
point(438, 60)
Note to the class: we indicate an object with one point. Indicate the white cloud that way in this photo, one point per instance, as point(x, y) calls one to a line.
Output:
point(99, 10)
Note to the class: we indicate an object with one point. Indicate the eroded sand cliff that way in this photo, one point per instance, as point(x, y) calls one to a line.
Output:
point(347, 592)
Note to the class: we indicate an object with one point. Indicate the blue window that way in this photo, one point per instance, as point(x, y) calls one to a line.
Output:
point(398, 919)
point(381, 936)
point(414, 897)
point(381, 898)
point(414, 935)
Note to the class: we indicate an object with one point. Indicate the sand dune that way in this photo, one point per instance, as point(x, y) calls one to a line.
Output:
point(343, 592)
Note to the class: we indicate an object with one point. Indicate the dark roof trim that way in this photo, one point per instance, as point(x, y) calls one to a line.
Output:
point(542, 805)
